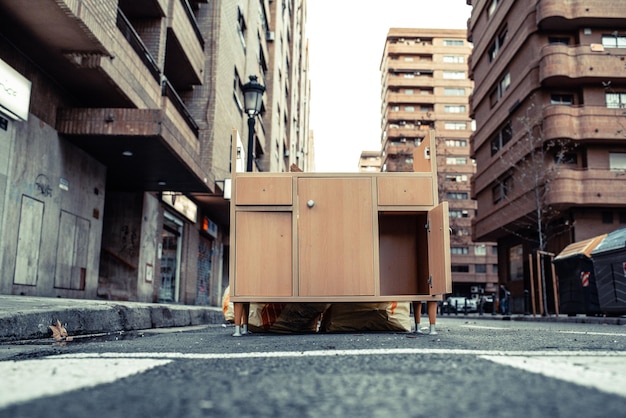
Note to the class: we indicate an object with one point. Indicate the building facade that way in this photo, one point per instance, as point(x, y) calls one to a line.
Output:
point(549, 143)
point(425, 86)
point(116, 136)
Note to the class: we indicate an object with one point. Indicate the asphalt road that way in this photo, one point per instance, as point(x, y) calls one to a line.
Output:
point(471, 368)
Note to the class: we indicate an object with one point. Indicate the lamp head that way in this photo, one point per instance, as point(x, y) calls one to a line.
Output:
point(253, 96)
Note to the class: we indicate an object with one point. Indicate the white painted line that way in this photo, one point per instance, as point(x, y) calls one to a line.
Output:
point(485, 327)
point(607, 374)
point(593, 333)
point(31, 379)
point(334, 353)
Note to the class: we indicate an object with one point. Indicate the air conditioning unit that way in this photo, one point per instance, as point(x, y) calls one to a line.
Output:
point(269, 36)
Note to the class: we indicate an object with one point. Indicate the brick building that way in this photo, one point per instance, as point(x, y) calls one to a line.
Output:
point(116, 135)
point(425, 86)
point(550, 89)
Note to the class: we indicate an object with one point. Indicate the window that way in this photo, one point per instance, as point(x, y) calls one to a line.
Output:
point(453, 42)
point(241, 28)
point(458, 213)
point(460, 268)
point(562, 99)
point(455, 126)
point(454, 75)
point(617, 161)
point(492, 7)
point(566, 158)
point(456, 143)
point(456, 178)
point(449, 91)
point(456, 59)
point(502, 189)
point(408, 91)
point(408, 59)
point(505, 83)
point(607, 217)
point(614, 40)
point(501, 138)
point(409, 108)
point(498, 91)
point(615, 100)
point(480, 268)
point(558, 40)
point(456, 160)
point(457, 195)
point(622, 217)
point(497, 44)
point(454, 108)
point(459, 250)
point(480, 250)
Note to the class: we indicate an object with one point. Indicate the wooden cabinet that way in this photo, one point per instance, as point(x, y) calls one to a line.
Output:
point(339, 237)
point(335, 236)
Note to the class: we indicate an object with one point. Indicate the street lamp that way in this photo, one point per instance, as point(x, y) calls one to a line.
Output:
point(252, 100)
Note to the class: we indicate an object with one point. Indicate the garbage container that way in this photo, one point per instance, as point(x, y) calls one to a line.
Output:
point(609, 265)
point(578, 293)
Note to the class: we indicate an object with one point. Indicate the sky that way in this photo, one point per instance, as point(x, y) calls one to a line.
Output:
point(346, 43)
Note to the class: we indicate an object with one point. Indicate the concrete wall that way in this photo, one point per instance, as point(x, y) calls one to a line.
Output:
point(52, 220)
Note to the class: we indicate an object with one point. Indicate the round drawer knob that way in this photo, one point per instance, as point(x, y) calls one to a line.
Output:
point(310, 203)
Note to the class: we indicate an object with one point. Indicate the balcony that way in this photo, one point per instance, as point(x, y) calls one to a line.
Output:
point(562, 65)
point(408, 116)
point(399, 80)
point(410, 98)
point(396, 148)
point(143, 149)
point(568, 14)
point(569, 188)
point(590, 187)
point(409, 47)
point(184, 52)
point(583, 123)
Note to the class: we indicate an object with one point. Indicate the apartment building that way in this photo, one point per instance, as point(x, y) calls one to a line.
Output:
point(116, 131)
point(370, 161)
point(548, 101)
point(425, 86)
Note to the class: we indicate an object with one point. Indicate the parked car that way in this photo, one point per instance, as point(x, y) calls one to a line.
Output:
point(460, 304)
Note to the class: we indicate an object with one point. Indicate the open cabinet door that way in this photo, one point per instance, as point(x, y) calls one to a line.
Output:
point(439, 250)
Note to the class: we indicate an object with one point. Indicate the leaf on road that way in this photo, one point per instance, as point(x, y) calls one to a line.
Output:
point(59, 332)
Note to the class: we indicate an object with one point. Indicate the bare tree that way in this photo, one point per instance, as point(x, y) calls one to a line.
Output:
point(531, 163)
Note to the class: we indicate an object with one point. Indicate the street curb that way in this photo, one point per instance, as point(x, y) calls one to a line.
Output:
point(104, 319)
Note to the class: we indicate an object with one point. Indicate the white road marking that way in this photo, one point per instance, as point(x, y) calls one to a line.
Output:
point(483, 327)
point(615, 334)
point(31, 379)
point(333, 353)
point(607, 374)
point(604, 370)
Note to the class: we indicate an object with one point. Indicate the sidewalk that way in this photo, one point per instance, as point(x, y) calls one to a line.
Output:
point(28, 318)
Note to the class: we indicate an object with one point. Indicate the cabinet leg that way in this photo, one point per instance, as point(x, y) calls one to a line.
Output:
point(242, 310)
point(431, 306)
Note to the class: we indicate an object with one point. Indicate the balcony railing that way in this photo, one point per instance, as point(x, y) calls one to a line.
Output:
point(124, 25)
point(168, 91)
point(192, 20)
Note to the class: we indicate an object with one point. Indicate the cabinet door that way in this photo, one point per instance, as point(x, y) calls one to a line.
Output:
point(263, 254)
point(335, 236)
point(440, 280)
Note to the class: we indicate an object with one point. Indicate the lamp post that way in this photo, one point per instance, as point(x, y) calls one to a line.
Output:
point(252, 100)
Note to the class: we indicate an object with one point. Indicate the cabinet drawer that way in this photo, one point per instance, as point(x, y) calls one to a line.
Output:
point(405, 191)
point(263, 191)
